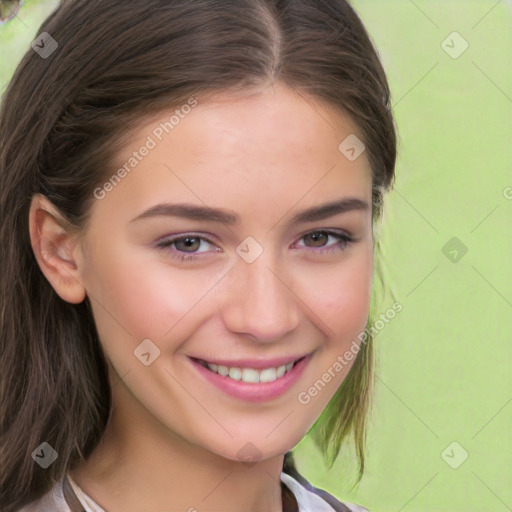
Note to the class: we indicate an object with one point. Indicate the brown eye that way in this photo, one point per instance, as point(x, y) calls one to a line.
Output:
point(185, 248)
point(319, 240)
point(189, 243)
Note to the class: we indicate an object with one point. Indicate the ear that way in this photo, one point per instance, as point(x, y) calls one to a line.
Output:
point(55, 248)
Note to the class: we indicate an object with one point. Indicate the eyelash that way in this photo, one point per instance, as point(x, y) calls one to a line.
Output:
point(344, 241)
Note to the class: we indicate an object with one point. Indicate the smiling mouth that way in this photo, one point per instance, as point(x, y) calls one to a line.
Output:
point(250, 375)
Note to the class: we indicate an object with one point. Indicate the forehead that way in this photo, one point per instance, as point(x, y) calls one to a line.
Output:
point(259, 149)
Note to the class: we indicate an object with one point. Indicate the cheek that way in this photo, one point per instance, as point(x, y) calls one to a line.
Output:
point(139, 297)
point(340, 295)
point(350, 304)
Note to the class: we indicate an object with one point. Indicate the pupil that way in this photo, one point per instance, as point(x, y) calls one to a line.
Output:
point(317, 236)
point(189, 241)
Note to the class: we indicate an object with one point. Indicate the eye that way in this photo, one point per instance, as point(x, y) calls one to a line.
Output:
point(189, 242)
point(186, 247)
point(320, 237)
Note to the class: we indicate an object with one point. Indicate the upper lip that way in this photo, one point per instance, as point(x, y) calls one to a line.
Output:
point(257, 364)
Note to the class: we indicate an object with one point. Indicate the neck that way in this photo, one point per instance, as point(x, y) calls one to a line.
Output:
point(141, 465)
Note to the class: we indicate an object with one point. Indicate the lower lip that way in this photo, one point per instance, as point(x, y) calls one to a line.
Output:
point(253, 392)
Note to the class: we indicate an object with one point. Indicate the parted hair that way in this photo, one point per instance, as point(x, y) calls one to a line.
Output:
point(63, 119)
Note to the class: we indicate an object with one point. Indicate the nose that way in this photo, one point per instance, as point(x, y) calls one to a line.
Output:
point(259, 300)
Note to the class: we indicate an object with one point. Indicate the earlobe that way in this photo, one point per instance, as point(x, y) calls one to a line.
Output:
point(54, 245)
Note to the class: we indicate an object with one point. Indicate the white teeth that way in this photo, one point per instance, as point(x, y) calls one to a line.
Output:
point(281, 371)
point(221, 370)
point(251, 375)
point(269, 374)
point(235, 373)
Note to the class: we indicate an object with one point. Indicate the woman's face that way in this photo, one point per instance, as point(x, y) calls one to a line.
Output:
point(264, 283)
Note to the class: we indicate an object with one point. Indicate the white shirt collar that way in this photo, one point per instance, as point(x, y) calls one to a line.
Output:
point(307, 501)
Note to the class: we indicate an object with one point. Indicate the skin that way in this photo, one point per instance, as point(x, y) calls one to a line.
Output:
point(172, 441)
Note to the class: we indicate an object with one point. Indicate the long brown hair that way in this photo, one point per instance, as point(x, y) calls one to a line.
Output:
point(62, 120)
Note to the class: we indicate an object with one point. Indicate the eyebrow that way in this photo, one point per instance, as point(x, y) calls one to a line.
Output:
point(225, 216)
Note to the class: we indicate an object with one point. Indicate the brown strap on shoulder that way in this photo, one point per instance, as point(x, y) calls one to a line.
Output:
point(289, 502)
point(70, 497)
point(290, 469)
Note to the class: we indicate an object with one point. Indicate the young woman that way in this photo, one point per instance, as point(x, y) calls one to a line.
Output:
point(188, 197)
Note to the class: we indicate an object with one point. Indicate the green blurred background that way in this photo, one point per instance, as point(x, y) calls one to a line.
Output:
point(440, 435)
